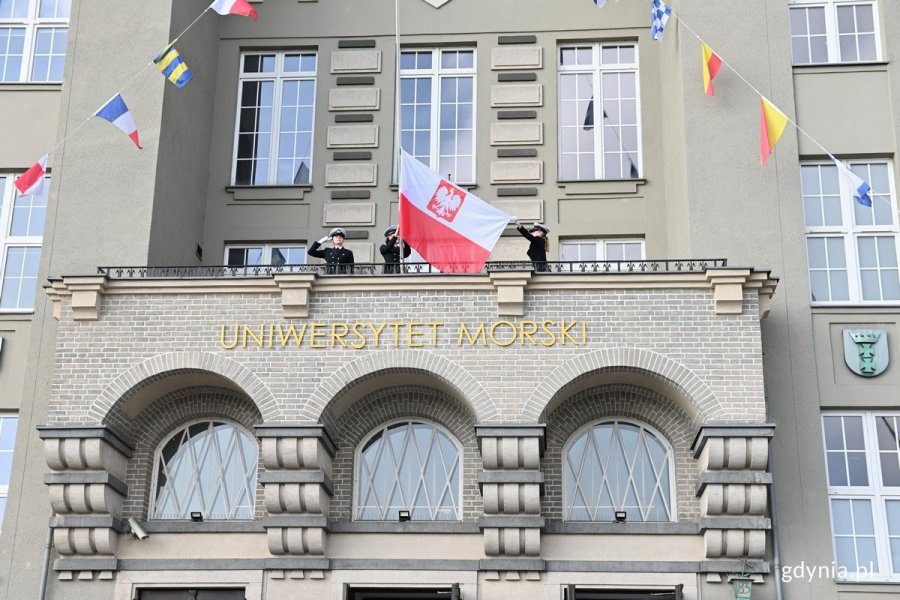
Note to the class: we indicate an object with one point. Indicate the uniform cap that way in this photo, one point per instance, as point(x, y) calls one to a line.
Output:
point(337, 231)
point(542, 227)
point(390, 230)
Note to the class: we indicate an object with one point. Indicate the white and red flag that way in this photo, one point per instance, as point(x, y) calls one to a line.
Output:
point(452, 229)
point(31, 182)
point(234, 7)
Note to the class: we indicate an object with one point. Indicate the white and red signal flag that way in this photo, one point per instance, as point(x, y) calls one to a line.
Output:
point(31, 182)
point(453, 230)
point(234, 7)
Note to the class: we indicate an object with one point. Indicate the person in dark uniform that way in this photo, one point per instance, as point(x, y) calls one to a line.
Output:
point(390, 251)
point(538, 244)
point(337, 258)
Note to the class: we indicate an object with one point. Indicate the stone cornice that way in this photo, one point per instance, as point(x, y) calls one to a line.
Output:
point(86, 293)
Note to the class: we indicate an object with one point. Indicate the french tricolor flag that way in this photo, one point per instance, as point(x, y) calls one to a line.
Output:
point(234, 7)
point(452, 229)
point(31, 182)
point(117, 113)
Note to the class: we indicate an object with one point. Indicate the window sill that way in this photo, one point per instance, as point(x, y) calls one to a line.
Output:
point(889, 307)
point(407, 527)
point(395, 187)
point(601, 186)
point(644, 528)
point(841, 67)
point(11, 314)
point(187, 526)
point(31, 86)
point(268, 193)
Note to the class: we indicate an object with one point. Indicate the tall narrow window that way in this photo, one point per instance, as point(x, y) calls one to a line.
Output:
point(7, 443)
point(21, 234)
point(276, 109)
point(409, 465)
point(852, 249)
point(208, 467)
point(834, 31)
point(437, 110)
point(33, 36)
point(617, 466)
point(862, 457)
point(599, 112)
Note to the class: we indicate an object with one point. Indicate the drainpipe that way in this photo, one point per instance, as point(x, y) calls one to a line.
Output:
point(776, 546)
point(48, 543)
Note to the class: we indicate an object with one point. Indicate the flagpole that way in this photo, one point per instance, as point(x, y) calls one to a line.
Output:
point(398, 158)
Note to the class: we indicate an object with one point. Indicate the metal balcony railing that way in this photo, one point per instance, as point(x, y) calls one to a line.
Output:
point(416, 269)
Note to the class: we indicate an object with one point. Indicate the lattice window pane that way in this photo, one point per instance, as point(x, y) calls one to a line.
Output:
point(409, 466)
point(208, 467)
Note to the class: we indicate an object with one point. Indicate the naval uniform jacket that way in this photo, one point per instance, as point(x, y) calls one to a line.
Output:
point(536, 249)
point(390, 251)
point(339, 260)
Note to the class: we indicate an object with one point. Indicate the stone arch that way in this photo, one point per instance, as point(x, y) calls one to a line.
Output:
point(629, 365)
point(211, 369)
point(356, 379)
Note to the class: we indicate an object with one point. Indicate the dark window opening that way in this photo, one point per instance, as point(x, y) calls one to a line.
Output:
point(435, 593)
point(192, 594)
point(577, 593)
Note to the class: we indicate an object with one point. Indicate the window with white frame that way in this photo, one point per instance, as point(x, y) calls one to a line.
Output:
point(21, 234)
point(250, 255)
point(437, 110)
point(208, 467)
point(7, 443)
point(599, 112)
point(33, 35)
point(862, 456)
point(618, 466)
point(583, 255)
point(409, 465)
point(276, 110)
point(852, 249)
point(834, 31)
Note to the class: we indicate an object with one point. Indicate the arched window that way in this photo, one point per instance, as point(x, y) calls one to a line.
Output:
point(409, 465)
point(614, 466)
point(207, 466)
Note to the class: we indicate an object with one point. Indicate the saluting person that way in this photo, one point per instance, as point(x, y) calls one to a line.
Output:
point(337, 258)
point(390, 251)
point(538, 244)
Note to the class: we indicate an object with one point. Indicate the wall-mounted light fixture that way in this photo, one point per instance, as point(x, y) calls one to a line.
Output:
point(197, 516)
point(621, 516)
point(403, 516)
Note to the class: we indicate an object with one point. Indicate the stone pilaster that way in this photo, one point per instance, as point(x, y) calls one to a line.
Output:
point(733, 489)
point(298, 487)
point(511, 488)
point(86, 483)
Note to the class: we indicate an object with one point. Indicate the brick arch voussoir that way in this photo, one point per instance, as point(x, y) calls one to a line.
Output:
point(703, 401)
point(162, 365)
point(470, 391)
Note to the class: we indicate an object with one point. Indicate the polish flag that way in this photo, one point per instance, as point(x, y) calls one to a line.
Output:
point(116, 112)
point(31, 182)
point(234, 7)
point(453, 230)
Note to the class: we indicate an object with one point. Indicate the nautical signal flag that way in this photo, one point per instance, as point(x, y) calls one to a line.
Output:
point(659, 15)
point(453, 230)
point(31, 182)
point(234, 7)
point(771, 125)
point(858, 187)
point(171, 65)
point(711, 65)
point(116, 112)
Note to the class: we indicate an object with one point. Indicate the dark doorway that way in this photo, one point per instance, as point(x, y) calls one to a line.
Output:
point(573, 593)
point(437, 593)
point(192, 594)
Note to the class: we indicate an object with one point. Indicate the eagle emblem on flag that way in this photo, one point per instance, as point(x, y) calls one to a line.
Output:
point(446, 201)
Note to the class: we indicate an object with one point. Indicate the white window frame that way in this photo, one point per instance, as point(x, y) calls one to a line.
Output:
point(278, 77)
point(8, 241)
point(832, 39)
point(4, 488)
point(850, 232)
point(670, 452)
point(601, 244)
point(357, 462)
point(154, 483)
point(877, 493)
point(596, 69)
point(265, 250)
point(31, 23)
point(437, 73)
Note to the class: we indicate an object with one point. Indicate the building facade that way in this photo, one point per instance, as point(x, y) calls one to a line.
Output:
point(697, 400)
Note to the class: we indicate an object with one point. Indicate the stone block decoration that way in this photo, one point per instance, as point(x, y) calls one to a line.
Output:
point(298, 487)
point(733, 489)
point(86, 487)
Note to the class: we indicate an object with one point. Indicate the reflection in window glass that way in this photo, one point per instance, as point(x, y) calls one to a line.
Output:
point(824, 31)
